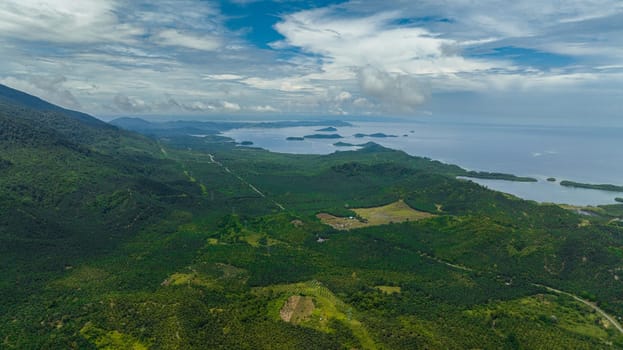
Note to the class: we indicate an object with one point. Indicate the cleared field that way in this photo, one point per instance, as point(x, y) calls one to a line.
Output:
point(391, 213)
point(211, 276)
point(297, 309)
point(389, 289)
point(313, 305)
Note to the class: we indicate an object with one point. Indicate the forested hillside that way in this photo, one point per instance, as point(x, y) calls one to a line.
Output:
point(110, 239)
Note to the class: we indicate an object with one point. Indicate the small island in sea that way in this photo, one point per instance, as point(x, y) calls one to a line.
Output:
point(602, 187)
point(551, 179)
point(346, 144)
point(377, 135)
point(246, 143)
point(619, 199)
point(324, 136)
point(363, 145)
point(498, 176)
point(328, 129)
point(295, 138)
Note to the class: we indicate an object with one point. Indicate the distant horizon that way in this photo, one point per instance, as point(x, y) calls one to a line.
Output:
point(456, 119)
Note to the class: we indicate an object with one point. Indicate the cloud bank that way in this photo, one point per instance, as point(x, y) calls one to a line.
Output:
point(120, 57)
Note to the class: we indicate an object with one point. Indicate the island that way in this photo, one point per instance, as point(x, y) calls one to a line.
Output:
point(601, 187)
point(295, 138)
point(246, 143)
point(188, 127)
point(328, 129)
point(377, 135)
point(619, 199)
point(498, 176)
point(324, 136)
point(551, 179)
point(343, 144)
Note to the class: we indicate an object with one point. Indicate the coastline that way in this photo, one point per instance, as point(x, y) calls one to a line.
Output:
point(493, 159)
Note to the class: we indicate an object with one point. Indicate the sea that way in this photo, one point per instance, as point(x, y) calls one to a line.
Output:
point(588, 154)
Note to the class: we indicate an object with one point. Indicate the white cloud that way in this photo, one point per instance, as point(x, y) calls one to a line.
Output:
point(223, 77)
point(198, 106)
point(172, 37)
point(358, 57)
point(264, 109)
point(63, 21)
point(372, 40)
point(351, 46)
point(285, 84)
point(230, 106)
point(343, 96)
point(130, 104)
point(362, 103)
point(395, 91)
point(54, 87)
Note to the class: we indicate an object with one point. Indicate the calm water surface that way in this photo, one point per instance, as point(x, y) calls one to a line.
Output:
point(583, 154)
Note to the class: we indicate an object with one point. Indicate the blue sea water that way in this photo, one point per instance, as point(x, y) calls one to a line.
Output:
point(576, 153)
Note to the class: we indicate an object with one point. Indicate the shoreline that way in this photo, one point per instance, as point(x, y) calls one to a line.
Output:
point(529, 185)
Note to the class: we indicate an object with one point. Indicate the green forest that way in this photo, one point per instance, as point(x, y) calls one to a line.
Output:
point(111, 239)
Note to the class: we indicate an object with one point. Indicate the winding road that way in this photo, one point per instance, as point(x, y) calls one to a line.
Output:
point(592, 305)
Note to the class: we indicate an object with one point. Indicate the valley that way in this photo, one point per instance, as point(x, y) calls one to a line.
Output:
point(168, 241)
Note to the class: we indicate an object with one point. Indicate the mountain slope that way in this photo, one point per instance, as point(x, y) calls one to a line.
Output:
point(14, 97)
point(109, 239)
point(72, 187)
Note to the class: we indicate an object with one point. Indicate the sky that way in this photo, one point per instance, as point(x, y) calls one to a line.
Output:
point(555, 60)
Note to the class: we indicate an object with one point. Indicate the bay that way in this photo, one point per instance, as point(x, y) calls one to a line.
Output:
point(588, 154)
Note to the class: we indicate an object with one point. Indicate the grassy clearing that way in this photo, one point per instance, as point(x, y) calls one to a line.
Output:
point(391, 213)
point(110, 340)
point(257, 239)
point(327, 307)
point(389, 289)
point(211, 276)
point(85, 277)
point(181, 279)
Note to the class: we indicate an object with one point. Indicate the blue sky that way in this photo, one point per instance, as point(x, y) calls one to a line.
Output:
point(526, 59)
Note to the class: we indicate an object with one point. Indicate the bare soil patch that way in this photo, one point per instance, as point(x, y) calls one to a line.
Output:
point(297, 309)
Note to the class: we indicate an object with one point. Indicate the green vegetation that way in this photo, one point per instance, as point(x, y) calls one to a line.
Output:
point(602, 187)
point(498, 176)
point(323, 136)
point(377, 135)
point(388, 289)
point(184, 128)
point(346, 144)
point(109, 239)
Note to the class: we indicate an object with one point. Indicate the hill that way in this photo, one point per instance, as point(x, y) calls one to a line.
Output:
point(9, 96)
point(110, 239)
